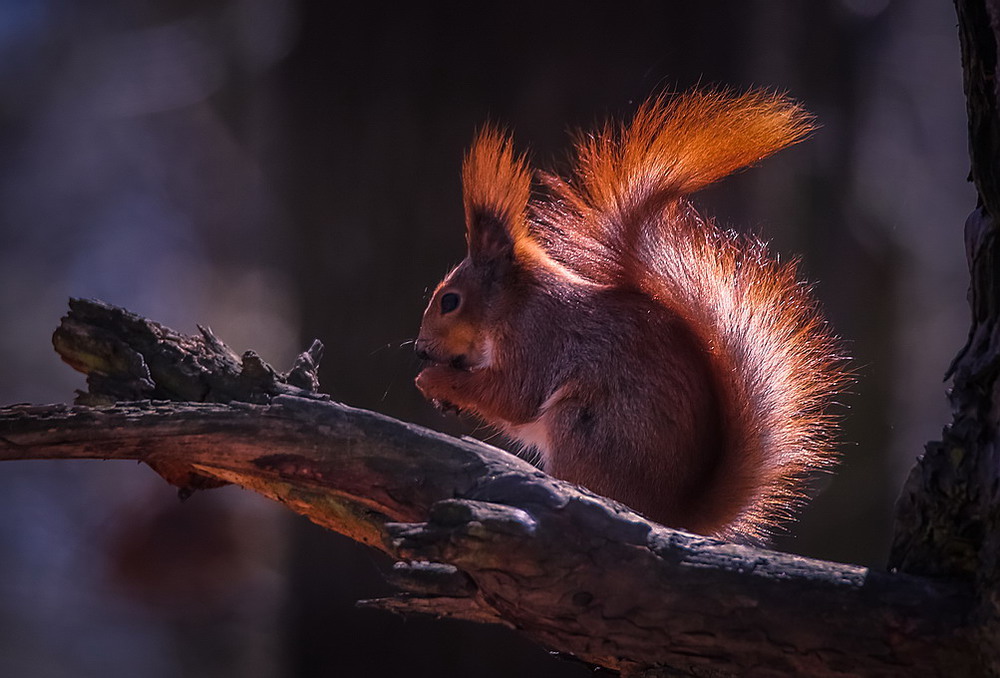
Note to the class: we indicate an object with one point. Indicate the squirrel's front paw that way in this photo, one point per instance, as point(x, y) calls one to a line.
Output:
point(433, 384)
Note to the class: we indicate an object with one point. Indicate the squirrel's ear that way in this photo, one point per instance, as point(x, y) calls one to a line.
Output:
point(497, 187)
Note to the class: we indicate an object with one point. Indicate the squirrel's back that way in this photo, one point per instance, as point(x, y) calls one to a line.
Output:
point(746, 366)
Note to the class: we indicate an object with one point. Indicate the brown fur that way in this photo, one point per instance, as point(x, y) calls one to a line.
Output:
point(644, 352)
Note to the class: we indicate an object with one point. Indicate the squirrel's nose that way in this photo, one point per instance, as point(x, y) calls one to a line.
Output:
point(420, 346)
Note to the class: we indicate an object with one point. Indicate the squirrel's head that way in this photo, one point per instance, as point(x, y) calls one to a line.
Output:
point(460, 324)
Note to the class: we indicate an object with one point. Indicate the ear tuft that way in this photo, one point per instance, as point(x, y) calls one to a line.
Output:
point(497, 187)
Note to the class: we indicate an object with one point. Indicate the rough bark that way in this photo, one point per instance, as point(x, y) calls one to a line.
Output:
point(481, 534)
point(948, 516)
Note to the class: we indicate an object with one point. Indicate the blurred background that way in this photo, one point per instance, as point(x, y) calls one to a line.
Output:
point(285, 170)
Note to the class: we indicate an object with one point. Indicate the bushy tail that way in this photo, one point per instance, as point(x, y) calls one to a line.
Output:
point(622, 220)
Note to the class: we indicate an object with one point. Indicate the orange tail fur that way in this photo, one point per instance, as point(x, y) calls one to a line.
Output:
point(622, 220)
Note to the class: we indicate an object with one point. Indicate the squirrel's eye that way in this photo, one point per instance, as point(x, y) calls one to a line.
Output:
point(449, 302)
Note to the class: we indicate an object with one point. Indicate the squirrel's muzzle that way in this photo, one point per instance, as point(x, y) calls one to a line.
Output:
point(420, 347)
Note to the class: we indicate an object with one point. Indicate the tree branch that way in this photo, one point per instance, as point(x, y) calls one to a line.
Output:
point(482, 534)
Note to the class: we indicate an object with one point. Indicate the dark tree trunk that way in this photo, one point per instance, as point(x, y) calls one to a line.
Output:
point(948, 517)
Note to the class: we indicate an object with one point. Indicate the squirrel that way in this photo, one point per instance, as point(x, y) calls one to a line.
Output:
point(641, 350)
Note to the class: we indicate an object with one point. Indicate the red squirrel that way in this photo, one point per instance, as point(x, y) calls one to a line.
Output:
point(641, 350)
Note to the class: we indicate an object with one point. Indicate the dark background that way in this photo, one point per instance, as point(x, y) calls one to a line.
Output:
point(288, 170)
